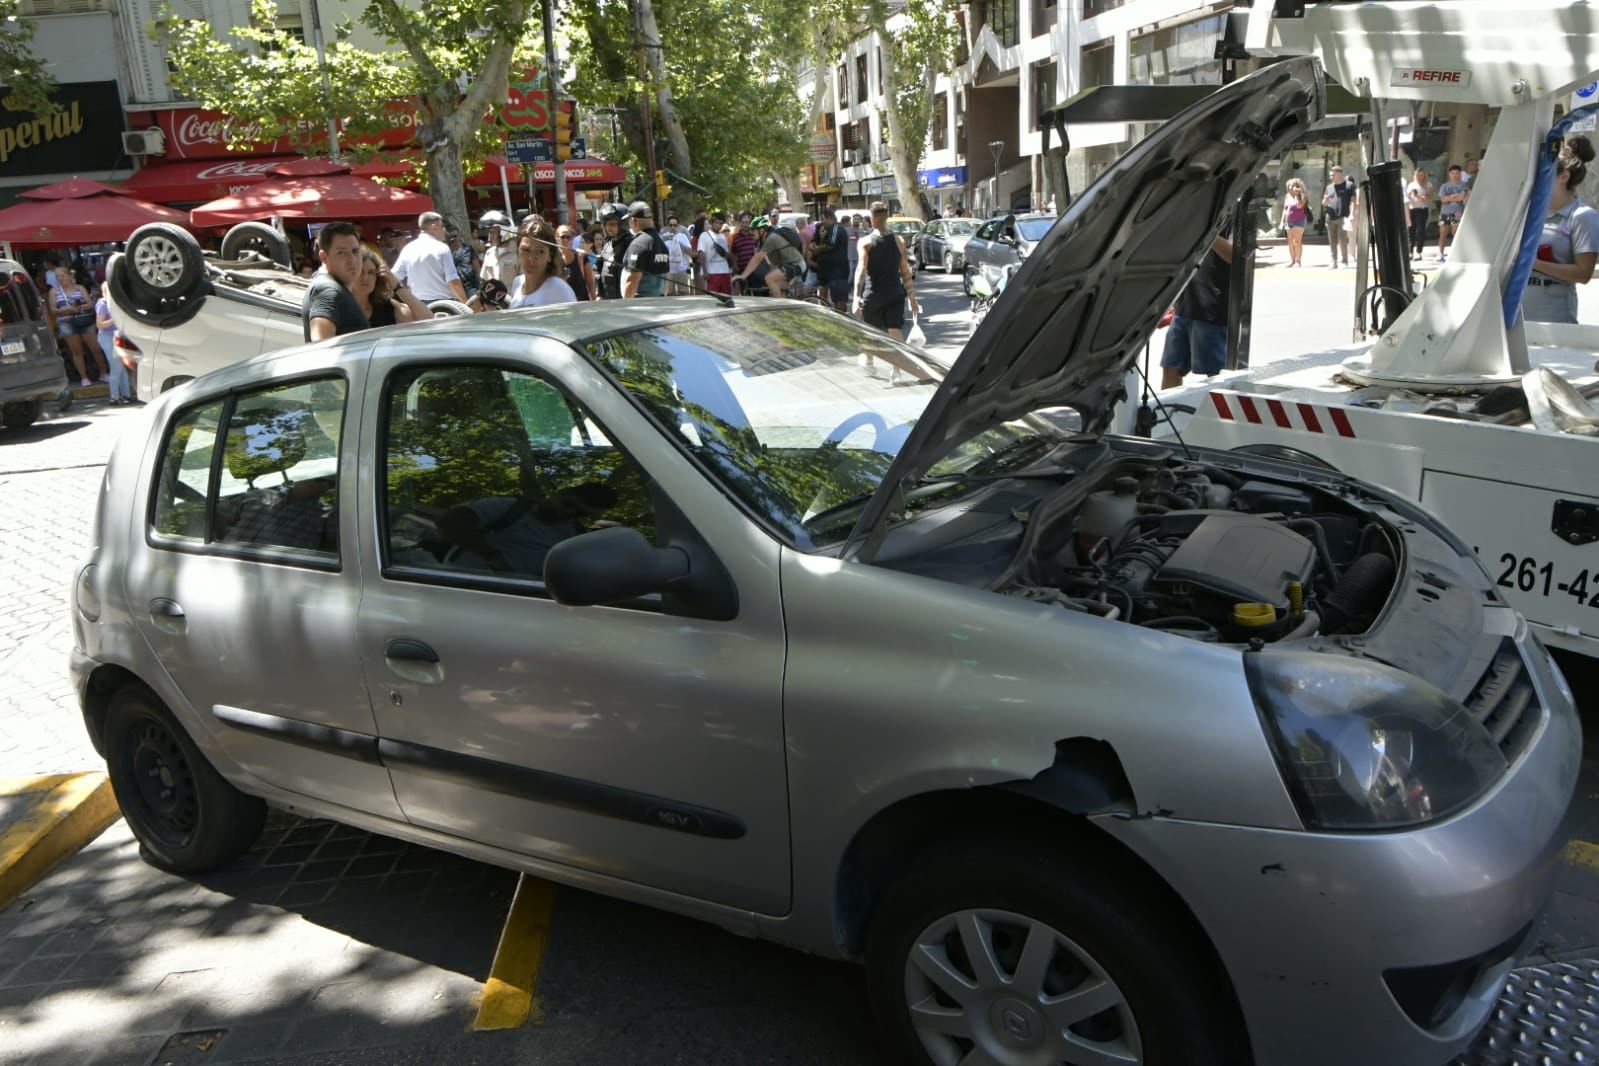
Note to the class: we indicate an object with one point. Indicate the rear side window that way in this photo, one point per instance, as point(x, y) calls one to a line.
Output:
point(19, 300)
point(257, 470)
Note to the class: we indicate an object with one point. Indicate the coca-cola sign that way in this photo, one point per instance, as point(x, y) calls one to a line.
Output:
point(236, 169)
point(194, 133)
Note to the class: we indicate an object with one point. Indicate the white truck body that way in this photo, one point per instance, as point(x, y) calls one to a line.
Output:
point(1397, 412)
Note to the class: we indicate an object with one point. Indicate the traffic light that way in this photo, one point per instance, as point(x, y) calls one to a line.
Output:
point(662, 188)
point(565, 119)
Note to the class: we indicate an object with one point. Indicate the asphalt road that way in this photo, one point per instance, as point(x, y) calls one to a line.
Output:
point(330, 946)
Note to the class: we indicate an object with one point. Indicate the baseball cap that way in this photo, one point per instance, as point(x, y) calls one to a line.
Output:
point(640, 209)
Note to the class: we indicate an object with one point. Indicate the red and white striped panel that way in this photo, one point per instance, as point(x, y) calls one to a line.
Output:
point(1299, 417)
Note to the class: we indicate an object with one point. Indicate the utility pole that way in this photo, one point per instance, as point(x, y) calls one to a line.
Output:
point(644, 78)
point(554, 80)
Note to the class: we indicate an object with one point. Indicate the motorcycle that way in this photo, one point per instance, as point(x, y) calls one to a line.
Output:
point(986, 288)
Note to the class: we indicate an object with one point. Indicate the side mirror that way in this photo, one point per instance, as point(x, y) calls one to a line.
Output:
point(609, 566)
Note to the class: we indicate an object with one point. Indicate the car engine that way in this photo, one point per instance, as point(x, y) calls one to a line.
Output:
point(1197, 550)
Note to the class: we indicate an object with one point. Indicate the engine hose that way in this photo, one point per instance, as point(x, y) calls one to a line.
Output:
point(1362, 590)
point(1318, 535)
point(1307, 625)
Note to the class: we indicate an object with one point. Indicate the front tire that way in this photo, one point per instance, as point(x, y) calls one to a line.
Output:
point(949, 262)
point(187, 818)
point(1017, 955)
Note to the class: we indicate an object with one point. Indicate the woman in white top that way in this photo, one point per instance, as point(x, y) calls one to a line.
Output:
point(540, 281)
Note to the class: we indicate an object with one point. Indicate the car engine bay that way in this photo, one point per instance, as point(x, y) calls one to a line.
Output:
point(1197, 550)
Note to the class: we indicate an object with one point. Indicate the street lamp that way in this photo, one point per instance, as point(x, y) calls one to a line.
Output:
point(997, 148)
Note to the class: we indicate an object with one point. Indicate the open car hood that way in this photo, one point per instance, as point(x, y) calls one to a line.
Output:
point(1087, 297)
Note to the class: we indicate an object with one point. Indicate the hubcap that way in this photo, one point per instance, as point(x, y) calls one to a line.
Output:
point(164, 783)
point(158, 262)
point(993, 987)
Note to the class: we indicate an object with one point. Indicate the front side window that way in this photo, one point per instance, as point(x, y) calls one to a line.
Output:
point(487, 468)
point(256, 470)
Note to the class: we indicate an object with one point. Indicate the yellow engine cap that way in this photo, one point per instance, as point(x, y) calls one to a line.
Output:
point(1254, 614)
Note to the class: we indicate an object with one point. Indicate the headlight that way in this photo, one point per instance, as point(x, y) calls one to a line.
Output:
point(1365, 746)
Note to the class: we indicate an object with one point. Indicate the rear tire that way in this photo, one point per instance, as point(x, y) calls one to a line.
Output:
point(187, 818)
point(1032, 954)
point(257, 237)
point(22, 414)
point(154, 311)
point(166, 262)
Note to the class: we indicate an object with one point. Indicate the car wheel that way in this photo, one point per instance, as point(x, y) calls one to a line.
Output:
point(166, 261)
point(186, 817)
point(949, 262)
point(257, 237)
point(152, 311)
point(448, 308)
point(22, 414)
point(966, 281)
point(1013, 954)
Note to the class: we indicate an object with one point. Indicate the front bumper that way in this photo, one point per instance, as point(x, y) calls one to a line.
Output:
point(1329, 938)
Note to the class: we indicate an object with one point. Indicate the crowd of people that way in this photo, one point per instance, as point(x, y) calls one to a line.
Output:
point(852, 263)
point(76, 307)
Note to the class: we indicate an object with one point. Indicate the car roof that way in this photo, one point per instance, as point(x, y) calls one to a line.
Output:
point(573, 324)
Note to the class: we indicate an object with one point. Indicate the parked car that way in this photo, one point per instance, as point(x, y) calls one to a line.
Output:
point(190, 312)
point(31, 370)
point(1001, 242)
point(942, 243)
point(908, 228)
point(1090, 748)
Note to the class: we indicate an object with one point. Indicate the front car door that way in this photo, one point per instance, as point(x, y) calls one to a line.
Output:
point(622, 741)
point(243, 580)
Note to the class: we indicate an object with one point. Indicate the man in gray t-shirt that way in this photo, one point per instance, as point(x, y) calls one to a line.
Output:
point(330, 309)
point(1451, 205)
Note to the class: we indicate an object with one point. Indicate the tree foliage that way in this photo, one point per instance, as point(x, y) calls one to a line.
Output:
point(29, 84)
point(457, 59)
point(730, 64)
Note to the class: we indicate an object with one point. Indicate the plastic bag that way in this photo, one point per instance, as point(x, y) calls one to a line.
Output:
point(914, 336)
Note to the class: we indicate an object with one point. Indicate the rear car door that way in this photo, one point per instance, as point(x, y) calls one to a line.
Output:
point(244, 583)
point(30, 368)
point(628, 741)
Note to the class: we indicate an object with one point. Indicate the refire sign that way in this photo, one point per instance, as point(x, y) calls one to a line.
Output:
point(1430, 76)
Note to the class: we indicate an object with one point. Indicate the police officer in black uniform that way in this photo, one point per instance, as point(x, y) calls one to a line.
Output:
point(612, 252)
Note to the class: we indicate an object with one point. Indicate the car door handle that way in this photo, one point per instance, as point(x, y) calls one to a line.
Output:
point(413, 660)
point(167, 616)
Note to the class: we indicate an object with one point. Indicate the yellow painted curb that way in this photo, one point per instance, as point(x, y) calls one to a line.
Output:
point(1581, 853)
point(59, 813)
point(508, 993)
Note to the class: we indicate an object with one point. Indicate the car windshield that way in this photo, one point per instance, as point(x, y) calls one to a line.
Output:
point(1033, 229)
point(960, 229)
point(904, 225)
point(797, 411)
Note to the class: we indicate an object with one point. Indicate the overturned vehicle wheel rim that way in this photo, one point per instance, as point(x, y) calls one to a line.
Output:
point(159, 262)
point(996, 987)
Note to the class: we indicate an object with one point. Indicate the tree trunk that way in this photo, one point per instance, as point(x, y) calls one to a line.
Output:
point(446, 175)
point(899, 152)
point(675, 137)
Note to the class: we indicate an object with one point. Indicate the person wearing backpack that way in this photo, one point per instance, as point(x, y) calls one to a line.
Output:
point(829, 257)
point(783, 256)
point(647, 262)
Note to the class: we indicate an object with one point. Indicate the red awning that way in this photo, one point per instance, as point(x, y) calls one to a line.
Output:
point(80, 220)
point(319, 198)
point(200, 180)
point(71, 189)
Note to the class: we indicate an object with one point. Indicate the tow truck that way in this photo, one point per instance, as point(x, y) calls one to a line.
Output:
point(1456, 401)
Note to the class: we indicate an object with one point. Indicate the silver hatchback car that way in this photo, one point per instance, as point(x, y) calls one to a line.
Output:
point(1093, 750)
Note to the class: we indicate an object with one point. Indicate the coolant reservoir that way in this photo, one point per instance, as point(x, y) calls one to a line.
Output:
point(1105, 515)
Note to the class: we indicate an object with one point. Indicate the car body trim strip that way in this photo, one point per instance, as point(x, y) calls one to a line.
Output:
point(540, 786)
point(345, 742)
